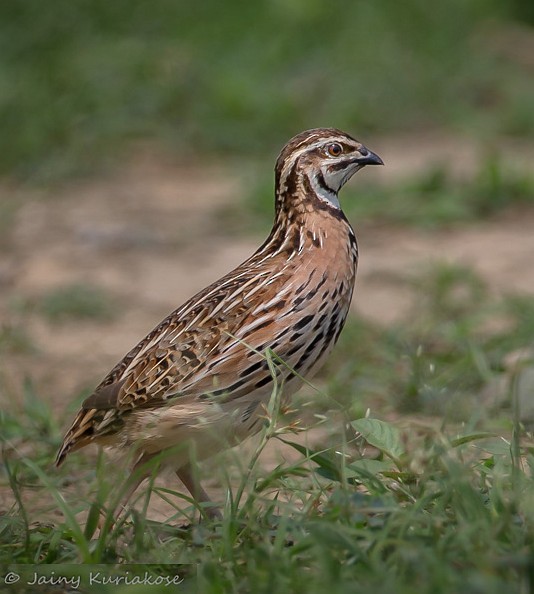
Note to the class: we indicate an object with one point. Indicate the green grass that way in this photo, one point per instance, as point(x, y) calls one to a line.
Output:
point(76, 302)
point(437, 198)
point(440, 502)
point(82, 81)
point(437, 510)
point(447, 356)
point(67, 303)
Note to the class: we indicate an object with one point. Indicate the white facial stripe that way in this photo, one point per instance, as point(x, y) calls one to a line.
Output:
point(325, 194)
point(298, 153)
point(337, 179)
point(333, 180)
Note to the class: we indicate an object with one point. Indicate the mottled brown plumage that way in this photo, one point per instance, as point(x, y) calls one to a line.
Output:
point(200, 378)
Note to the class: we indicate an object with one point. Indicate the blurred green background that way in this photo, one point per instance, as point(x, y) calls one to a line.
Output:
point(80, 81)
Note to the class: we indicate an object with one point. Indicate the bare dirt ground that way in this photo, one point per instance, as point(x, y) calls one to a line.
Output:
point(149, 236)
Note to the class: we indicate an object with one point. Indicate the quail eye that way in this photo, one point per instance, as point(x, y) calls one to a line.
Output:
point(334, 150)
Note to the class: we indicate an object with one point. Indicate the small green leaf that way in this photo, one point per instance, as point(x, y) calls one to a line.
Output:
point(369, 466)
point(92, 520)
point(368, 472)
point(381, 435)
point(336, 536)
point(495, 447)
point(471, 437)
point(324, 459)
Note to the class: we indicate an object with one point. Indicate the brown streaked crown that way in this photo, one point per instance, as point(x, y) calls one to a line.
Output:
point(316, 164)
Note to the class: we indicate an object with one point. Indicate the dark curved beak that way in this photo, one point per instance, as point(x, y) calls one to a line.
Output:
point(369, 158)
